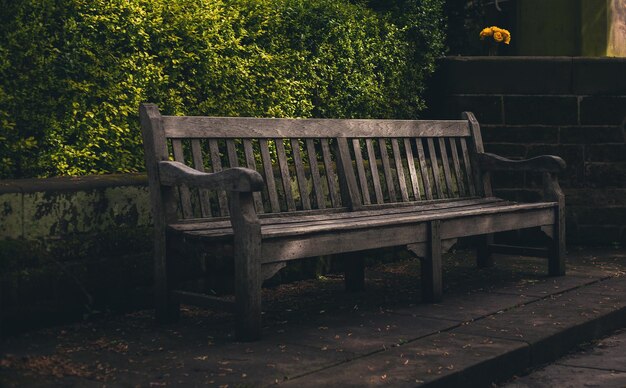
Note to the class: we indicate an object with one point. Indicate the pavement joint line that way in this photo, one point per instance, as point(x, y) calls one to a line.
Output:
point(590, 367)
point(448, 329)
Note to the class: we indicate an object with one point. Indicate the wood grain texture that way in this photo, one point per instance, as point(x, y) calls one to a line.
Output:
point(412, 170)
point(482, 179)
point(424, 169)
point(216, 165)
point(350, 189)
point(457, 168)
point(384, 158)
point(371, 157)
point(360, 167)
point(471, 182)
point(330, 173)
point(269, 128)
point(185, 194)
point(269, 176)
point(198, 164)
point(397, 158)
point(248, 150)
point(300, 175)
point(284, 174)
point(434, 164)
point(315, 174)
point(446, 167)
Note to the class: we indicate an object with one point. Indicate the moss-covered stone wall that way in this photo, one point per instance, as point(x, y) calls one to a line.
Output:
point(72, 248)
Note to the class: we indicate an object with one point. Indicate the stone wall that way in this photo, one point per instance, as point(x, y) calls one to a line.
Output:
point(73, 247)
point(567, 106)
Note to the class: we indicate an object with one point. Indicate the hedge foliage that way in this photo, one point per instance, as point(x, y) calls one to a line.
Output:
point(73, 72)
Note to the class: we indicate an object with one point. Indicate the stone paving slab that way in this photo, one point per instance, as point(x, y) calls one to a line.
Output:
point(443, 359)
point(600, 364)
point(572, 377)
point(555, 325)
point(362, 333)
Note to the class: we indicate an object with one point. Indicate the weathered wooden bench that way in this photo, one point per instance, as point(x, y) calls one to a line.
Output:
point(268, 191)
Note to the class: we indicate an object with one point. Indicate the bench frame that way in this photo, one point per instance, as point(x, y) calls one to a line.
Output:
point(241, 184)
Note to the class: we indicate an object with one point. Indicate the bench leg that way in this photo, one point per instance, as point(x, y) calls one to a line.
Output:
point(167, 307)
point(354, 272)
point(556, 261)
point(247, 252)
point(432, 285)
point(484, 258)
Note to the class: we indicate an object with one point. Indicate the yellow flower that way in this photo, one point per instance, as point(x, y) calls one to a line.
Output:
point(498, 34)
point(485, 33)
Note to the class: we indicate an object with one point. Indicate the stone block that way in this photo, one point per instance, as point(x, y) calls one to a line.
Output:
point(541, 110)
point(593, 76)
point(605, 174)
point(11, 214)
point(591, 134)
point(599, 234)
point(520, 134)
point(573, 155)
point(487, 109)
point(507, 179)
point(600, 215)
point(606, 153)
point(603, 110)
point(506, 150)
point(596, 198)
point(504, 75)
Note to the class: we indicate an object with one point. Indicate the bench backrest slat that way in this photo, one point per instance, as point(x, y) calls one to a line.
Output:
point(311, 164)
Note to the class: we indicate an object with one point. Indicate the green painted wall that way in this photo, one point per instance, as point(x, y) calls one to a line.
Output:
point(563, 27)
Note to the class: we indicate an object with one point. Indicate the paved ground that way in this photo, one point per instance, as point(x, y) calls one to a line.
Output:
point(493, 324)
point(599, 364)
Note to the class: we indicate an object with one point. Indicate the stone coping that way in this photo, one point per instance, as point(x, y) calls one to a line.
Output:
point(71, 183)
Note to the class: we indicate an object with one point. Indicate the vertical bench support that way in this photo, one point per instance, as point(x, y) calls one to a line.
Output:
point(163, 201)
point(552, 192)
point(247, 247)
point(432, 277)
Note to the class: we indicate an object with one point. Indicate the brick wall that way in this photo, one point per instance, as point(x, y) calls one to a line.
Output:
point(573, 107)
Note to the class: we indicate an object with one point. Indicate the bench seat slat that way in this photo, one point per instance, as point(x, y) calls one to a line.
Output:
point(333, 214)
point(271, 230)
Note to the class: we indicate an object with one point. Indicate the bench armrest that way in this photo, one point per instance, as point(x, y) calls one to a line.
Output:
point(231, 179)
point(543, 163)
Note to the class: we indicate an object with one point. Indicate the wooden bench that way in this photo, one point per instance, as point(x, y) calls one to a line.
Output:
point(268, 191)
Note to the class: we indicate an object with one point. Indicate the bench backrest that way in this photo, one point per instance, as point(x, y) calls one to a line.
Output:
point(310, 164)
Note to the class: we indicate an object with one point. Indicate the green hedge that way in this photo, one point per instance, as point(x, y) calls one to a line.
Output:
point(73, 72)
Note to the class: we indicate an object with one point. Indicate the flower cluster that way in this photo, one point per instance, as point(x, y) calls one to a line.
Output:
point(498, 34)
